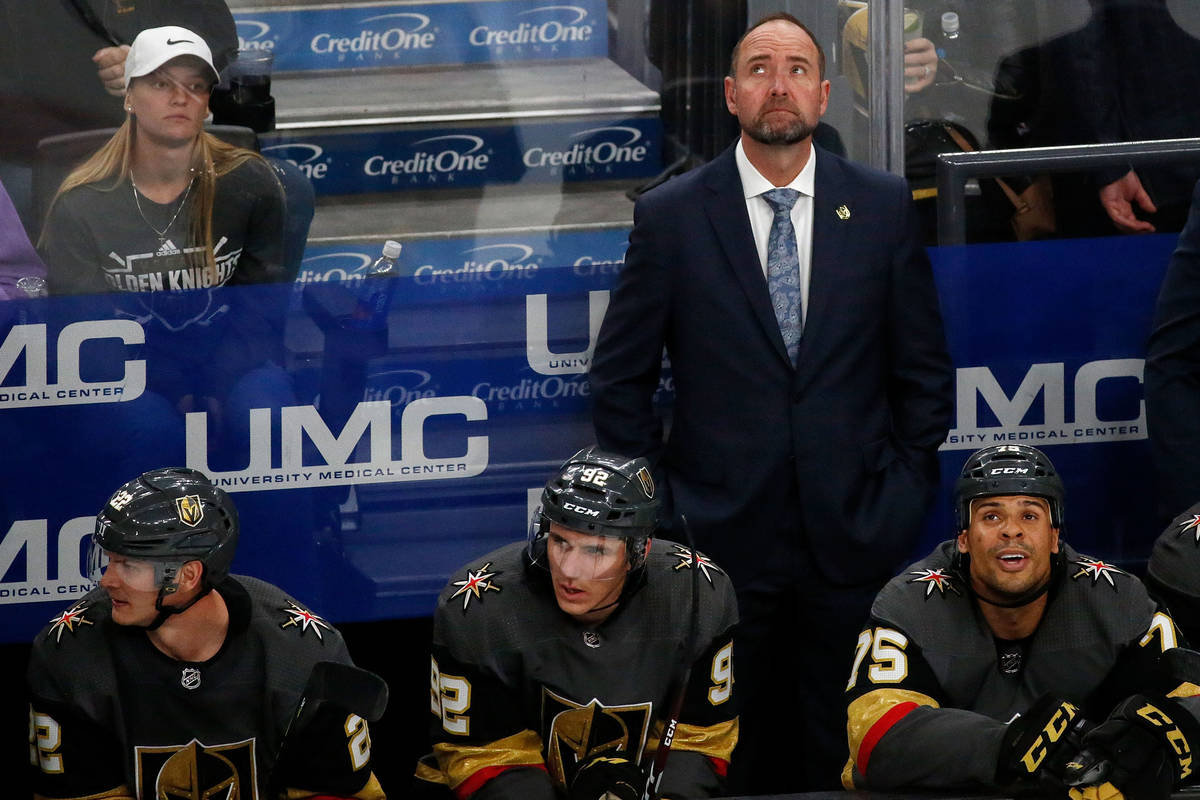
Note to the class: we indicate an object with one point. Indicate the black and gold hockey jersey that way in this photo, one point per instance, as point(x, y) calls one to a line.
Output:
point(1173, 573)
point(112, 715)
point(932, 689)
point(522, 694)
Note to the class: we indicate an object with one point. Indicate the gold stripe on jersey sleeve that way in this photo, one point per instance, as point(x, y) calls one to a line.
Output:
point(1185, 689)
point(868, 709)
point(459, 762)
point(714, 741)
point(119, 793)
point(427, 770)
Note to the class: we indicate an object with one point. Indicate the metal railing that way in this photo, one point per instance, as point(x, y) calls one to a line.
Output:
point(953, 170)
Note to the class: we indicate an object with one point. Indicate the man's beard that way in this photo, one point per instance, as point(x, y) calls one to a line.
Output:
point(761, 130)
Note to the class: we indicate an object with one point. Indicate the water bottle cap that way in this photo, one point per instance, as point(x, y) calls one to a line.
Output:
point(391, 248)
point(950, 22)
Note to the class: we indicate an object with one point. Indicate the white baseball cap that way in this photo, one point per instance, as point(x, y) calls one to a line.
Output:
point(154, 47)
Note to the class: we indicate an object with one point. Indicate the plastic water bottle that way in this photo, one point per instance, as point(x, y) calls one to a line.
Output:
point(949, 45)
point(949, 40)
point(375, 291)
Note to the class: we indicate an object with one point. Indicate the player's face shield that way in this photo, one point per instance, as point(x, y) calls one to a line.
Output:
point(138, 574)
point(575, 555)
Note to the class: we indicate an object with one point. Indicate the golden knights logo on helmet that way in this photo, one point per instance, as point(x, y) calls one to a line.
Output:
point(189, 510)
point(647, 482)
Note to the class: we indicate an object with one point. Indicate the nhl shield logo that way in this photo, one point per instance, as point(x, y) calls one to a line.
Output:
point(189, 510)
point(190, 678)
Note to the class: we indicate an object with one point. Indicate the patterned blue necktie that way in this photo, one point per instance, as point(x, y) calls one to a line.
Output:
point(783, 268)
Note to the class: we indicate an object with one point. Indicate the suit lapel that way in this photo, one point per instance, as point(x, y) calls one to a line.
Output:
point(829, 243)
point(726, 208)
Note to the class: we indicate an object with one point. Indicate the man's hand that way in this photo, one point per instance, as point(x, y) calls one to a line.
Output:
point(110, 68)
point(1118, 198)
point(1038, 744)
point(920, 65)
point(1147, 746)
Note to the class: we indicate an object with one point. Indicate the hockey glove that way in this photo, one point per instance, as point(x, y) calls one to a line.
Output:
point(1142, 751)
point(608, 778)
point(1038, 743)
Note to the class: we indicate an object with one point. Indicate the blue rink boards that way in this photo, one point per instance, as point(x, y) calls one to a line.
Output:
point(374, 456)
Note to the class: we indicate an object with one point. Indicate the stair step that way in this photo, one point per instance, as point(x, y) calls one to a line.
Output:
point(495, 210)
point(454, 94)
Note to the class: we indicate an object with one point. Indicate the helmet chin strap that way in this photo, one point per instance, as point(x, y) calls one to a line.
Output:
point(605, 606)
point(165, 612)
point(1056, 569)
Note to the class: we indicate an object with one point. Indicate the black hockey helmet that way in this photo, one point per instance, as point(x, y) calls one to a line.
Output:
point(599, 494)
point(1005, 469)
point(169, 517)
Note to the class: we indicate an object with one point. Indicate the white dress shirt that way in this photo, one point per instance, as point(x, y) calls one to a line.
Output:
point(761, 214)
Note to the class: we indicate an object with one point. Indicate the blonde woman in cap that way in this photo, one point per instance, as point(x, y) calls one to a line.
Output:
point(163, 205)
point(162, 216)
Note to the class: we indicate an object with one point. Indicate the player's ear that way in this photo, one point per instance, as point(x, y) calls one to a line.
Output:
point(190, 575)
point(962, 542)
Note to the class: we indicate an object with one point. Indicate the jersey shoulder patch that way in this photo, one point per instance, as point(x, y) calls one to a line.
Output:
point(475, 584)
point(84, 614)
point(685, 559)
point(294, 615)
point(927, 579)
point(1084, 567)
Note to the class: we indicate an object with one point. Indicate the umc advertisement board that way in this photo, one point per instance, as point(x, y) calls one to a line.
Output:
point(370, 454)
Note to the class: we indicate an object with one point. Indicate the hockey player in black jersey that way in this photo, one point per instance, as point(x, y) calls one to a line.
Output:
point(553, 659)
point(1005, 659)
point(1173, 574)
point(175, 679)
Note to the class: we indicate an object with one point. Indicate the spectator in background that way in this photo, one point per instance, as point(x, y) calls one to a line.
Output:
point(18, 259)
point(1131, 73)
point(951, 48)
point(164, 207)
point(62, 65)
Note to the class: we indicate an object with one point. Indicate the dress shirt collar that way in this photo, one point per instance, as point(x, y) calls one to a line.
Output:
point(754, 184)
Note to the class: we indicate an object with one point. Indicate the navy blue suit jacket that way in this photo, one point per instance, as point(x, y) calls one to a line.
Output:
point(838, 449)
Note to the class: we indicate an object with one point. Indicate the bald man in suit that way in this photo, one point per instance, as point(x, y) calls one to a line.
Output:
point(812, 389)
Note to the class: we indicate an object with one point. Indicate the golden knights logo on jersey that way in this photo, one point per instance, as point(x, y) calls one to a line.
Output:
point(576, 733)
point(197, 772)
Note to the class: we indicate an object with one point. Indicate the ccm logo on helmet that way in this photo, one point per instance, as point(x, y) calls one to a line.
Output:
point(1008, 471)
point(581, 509)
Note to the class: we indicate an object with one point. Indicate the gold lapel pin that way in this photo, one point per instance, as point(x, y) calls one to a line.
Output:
point(843, 212)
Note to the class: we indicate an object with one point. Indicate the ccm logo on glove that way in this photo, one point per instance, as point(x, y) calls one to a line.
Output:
point(1173, 734)
point(1058, 724)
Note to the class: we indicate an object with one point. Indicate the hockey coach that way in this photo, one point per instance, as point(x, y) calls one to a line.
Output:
point(1006, 659)
point(176, 679)
point(559, 662)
